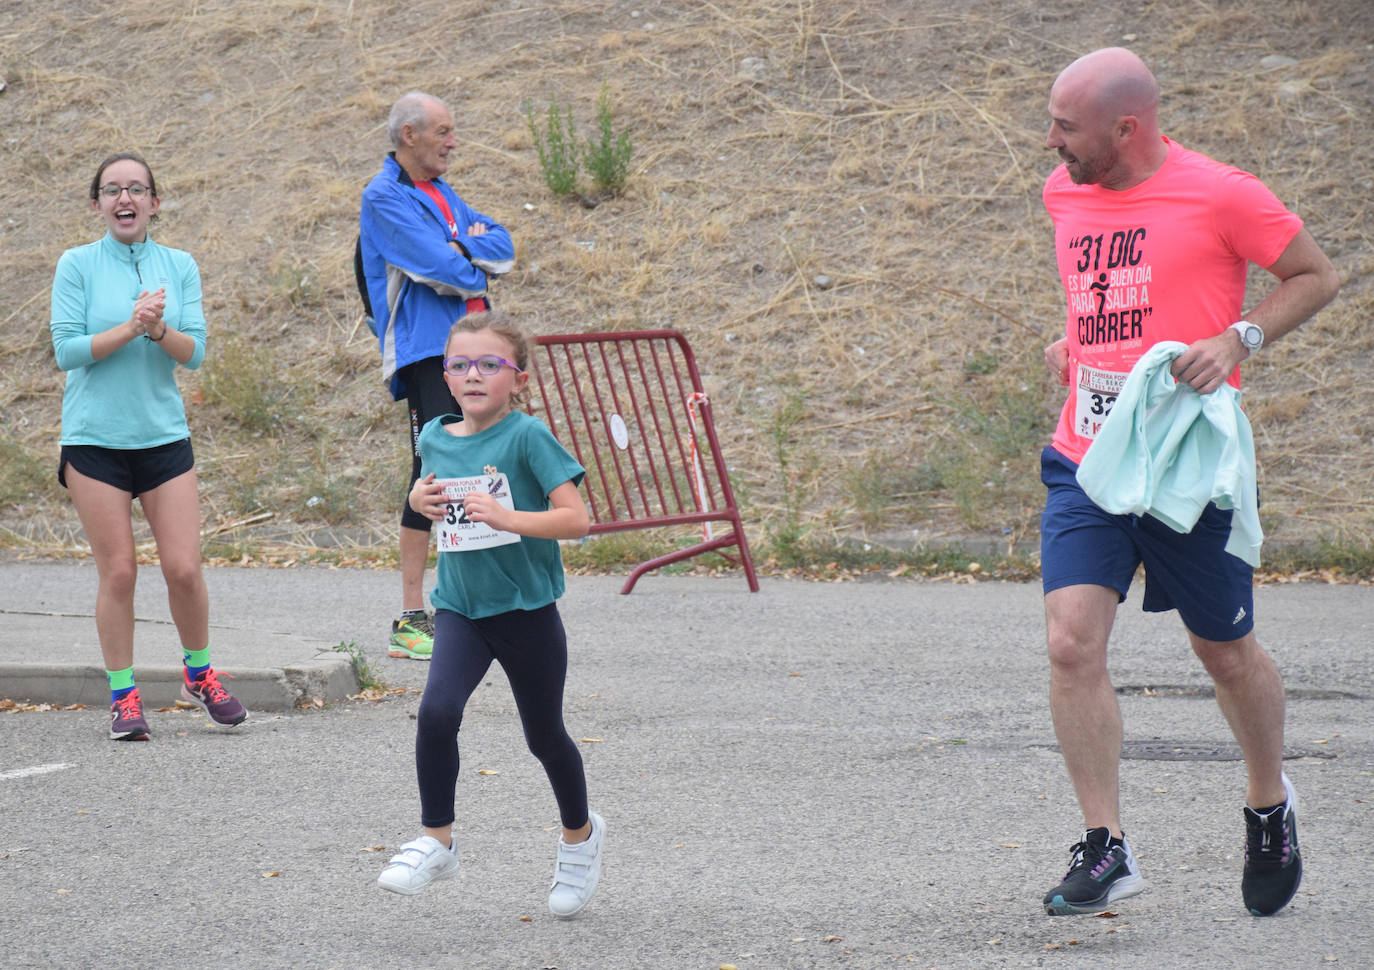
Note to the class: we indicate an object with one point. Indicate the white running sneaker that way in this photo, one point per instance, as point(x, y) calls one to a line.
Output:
point(577, 871)
point(418, 864)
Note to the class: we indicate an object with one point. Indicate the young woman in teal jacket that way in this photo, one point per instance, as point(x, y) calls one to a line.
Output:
point(125, 313)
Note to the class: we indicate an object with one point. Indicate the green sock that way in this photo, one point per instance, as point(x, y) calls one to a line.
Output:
point(121, 682)
point(197, 661)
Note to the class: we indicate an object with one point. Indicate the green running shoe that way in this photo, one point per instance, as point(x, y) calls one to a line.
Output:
point(412, 637)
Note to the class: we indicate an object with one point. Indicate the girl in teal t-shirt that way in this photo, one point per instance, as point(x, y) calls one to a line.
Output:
point(502, 491)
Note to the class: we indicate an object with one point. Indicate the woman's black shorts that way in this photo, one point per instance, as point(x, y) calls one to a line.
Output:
point(135, 470)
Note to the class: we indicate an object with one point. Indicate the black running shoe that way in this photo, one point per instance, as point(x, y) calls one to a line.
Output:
point(1099, 874)
point(1273, 865)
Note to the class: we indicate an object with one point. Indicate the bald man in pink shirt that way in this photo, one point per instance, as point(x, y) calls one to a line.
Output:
point(1152, 243)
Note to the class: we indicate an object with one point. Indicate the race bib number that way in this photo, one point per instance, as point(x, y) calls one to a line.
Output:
point(1096, 393)
point(458, 533)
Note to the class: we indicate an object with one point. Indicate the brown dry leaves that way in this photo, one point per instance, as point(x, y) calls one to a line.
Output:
point(376, 694)
point(15, 707)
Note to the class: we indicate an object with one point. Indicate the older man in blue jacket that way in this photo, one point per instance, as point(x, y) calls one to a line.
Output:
point(426, 259)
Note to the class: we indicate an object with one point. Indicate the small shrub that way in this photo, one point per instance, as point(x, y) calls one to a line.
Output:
point(246, 489)
point(330, 499)
point(616, 552)
point(607, 157)
point(297, 285)
point(23, 477)
point(884, 487)
point(368, 679)
point(241, 377)
point(556, 147)
point(786, 536)
point(612, 551)
point(988, 466)
point(981, 362)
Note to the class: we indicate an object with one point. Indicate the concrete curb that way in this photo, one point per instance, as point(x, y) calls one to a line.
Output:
point(326, 678)
point(265, 669)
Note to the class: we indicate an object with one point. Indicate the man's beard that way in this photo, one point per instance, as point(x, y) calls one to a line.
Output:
point(1092, 171)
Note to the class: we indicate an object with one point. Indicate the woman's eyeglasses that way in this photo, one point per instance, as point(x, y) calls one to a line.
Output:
point(112, 191)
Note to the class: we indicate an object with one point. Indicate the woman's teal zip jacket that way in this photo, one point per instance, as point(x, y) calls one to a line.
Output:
point(129, 399)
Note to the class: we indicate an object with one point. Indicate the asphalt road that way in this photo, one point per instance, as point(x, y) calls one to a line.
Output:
point(818, 775)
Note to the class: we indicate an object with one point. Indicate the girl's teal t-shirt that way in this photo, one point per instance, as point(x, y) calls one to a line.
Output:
point(524, 575)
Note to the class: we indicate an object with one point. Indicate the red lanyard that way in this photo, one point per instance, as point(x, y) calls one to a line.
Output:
point(429, 189)
point(476, 304)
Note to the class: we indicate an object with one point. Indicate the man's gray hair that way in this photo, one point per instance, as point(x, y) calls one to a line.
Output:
point(409, 109)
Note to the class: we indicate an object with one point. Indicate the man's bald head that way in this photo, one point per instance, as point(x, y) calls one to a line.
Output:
point(1104, 119)
point(1114, 82)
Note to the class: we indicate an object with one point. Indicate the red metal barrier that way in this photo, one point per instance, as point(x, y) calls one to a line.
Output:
point(631, 409)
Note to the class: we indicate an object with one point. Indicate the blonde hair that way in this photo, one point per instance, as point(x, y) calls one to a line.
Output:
point(505, 327)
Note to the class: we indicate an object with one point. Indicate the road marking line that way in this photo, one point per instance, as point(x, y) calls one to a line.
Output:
point(35, 770)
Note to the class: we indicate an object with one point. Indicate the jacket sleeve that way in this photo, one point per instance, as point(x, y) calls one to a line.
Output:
point(71, 343)
point(492, 252)
point(192, 318)
point(396, 227)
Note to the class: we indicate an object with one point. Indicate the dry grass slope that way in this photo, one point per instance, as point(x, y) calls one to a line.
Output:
point(893, 147)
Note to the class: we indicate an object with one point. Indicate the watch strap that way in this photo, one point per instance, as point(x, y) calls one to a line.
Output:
point(1251, 336)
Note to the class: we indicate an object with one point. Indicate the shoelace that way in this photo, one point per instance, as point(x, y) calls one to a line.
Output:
point(1091, 856)
point(208, 682)
point(1267, 838)
point(129, 706)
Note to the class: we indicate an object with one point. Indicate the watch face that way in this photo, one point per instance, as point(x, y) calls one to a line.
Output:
point(1253, 336)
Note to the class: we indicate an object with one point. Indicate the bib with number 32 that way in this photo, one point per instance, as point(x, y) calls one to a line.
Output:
point(1096, 393)
point(458, 533)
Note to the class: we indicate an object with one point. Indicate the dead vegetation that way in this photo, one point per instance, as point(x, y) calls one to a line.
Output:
point(838, 203)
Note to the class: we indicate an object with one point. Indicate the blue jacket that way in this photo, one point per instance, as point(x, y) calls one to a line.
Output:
point(129, 399)
point(1165, 450)
point(418, 284)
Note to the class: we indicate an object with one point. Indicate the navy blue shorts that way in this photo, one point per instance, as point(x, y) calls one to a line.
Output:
point(133, 470)
point(1193, 573)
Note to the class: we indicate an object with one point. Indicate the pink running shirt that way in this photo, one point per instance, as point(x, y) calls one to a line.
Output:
point(1162, 260)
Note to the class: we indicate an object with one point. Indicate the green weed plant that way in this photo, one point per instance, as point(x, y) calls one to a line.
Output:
point(886, 488)
point(607, 156)
point(241, 378)
point(22, 476)
point(368, 678)
point(556, 147)
point(787, 534)
point(326, 495)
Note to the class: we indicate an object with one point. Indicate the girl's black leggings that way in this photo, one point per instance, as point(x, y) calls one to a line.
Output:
point(532, 649)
